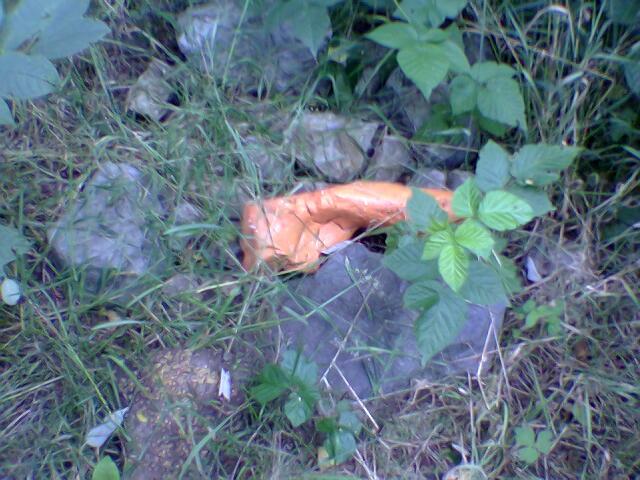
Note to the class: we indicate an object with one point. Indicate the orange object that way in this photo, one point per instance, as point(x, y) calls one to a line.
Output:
point(290, 233)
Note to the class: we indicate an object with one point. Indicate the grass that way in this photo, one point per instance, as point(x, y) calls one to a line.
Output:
point(63, 353)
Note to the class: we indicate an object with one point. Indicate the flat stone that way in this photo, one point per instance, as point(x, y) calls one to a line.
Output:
point(151, 92)
point(429, 178)
point(390, 160)
point(351, 310)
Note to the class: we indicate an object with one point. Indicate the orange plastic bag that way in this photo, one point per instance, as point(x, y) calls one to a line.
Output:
point(290, 233)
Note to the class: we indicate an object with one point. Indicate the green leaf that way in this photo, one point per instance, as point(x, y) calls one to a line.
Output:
point(420, 295)
point(525, 436)
point(425, 65)
point(394, 35)
point(631, 68)
point(464, 95)
point(484, 71)
point(299, 367)
point(537, 199)
point(340, 445)
point(12, 243)
point(105, 470)
point(438, 326)
point(69, 37)
point(492, 170)
point(423, 210)
point(297, 410)
point(466, 199)
point(501, 100)
point(473, 236)
point(24, 77)
point(434, 244)
point(450, 8)
point(350, 421)
point(508, 272)
point(453, 264)
point(504, 211)
point(272, 384)
point(406, 262)
point(528, 455)
point(483, 286)
point(309, 23)
point(625, 12)
point(458, 62)
point(5, 115)
point(544, 442)
point(541, 164)
point(496, 129)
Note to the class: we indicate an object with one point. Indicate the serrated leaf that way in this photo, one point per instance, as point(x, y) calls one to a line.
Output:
point(482, 72)
point(464, 95)
point(473, 236)
point(528, 455)
point(502, 211)
point(458, 62)
point(12, 243)
point(420, 295)
point(544, 442)
point(525, 436)
point(466, 199)
point(297, 410)
point(434, 244)
point(69, 37)
point(537, 199)
point(311, 25)
point(453, 264)
point(483, 286)
point(5, 115)
point(492, 170)
point(272, 384)
point(406, 262)
point(500, 99)
point(340, 445)
point(425, 65)
point(299, 367)
point(423, 210)
point(350, 421)
point(24, 77)
point(105, 469)
point(394, 35)
point(540, 164)
point(508, 272)
point(438, 326)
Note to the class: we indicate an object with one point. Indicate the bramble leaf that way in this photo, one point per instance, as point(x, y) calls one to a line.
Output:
point(482, 72)
point(297, 410)
point(423, 210)
point(501, 100)
point(492, 170)
point(394, 35)
point(537, 199)
point(540, 164)
point(434, 244)
point(473, 236)
point(453, 264)
point(24, 77)
point(483, 286)
point(406, 262)
point(502, 211)
point(466, 199)
point(426, 65)
point(464, 95)
point(420, 295)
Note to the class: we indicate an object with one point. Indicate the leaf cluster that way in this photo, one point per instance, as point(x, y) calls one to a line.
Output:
point(532, 445)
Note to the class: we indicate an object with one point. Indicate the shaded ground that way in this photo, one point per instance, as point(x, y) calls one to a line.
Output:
point(65, 353)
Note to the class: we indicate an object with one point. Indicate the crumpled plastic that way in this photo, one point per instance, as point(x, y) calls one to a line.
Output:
point(291, 232)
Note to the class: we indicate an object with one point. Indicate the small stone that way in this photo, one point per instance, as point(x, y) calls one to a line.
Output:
point(390, 160)
point(11, 292)
point(149, 95)
point(429, 178)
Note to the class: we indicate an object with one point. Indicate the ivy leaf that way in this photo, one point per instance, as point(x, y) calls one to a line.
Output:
point(12, 243)
point(297, 410)
point(420, 295)
point(466, 199)
point(540, 164)
point(425, 65)
point(438, 326)
point(434, 244)
point(105, 469)
point(482, 72)
point(544, 442)
point(525, 436)
point(502, 211)
point(492, 170)
point(501, 100)
point(537, 199)
point(473, 236)
point(483, 286)
point(25, 76)
point(464, 95)
point(5, 115)
point(394, 35)
point(423, 210)
point(406, 262)
point(68, 37)
point(453, 264)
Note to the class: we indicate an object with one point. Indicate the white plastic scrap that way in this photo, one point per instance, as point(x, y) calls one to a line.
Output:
point(10, 291)
point(224, 388)
point(532, 271)
point(100, 433)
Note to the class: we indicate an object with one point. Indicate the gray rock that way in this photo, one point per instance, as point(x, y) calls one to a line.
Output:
point(352, 310)
point(112, 231)
point(223, 42)
point(390, 160)
point(429, 178)
point(455, 178)
point(268, 159)
point(149, 95)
